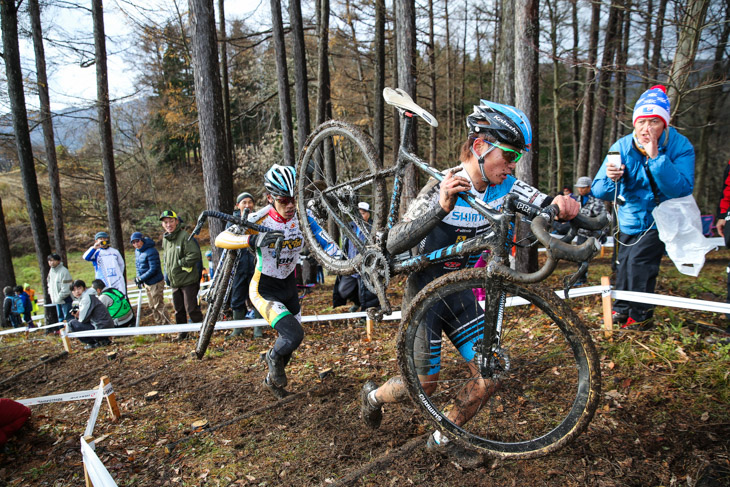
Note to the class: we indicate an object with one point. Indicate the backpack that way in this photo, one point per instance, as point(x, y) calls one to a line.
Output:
point(120, 304)
point(17, 306)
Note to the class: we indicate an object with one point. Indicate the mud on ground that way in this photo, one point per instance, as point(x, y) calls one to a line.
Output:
point(663, 418)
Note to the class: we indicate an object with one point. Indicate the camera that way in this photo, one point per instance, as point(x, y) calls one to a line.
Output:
point(104, 243)
point(74, 309)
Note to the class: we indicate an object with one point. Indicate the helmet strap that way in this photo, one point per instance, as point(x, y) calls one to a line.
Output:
point(480, 160)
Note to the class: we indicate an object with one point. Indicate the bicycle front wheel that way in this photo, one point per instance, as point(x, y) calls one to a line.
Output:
point(544, 384)
point(336, 172)
point(216, 296)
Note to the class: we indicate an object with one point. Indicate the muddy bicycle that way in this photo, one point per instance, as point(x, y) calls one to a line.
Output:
point(538, 363)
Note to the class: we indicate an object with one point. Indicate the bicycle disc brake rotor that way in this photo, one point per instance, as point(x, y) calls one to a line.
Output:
point(493, 367)
point(375, 271)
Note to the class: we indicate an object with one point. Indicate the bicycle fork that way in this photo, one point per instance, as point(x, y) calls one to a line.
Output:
point(489, 357)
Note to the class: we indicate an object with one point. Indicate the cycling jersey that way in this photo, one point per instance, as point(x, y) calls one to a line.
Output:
point(462, 223)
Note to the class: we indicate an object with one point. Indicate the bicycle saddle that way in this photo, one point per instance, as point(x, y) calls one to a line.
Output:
point(400, 99)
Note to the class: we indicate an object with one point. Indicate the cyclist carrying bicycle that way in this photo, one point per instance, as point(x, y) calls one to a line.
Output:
point(273, 289)
point(498, 136)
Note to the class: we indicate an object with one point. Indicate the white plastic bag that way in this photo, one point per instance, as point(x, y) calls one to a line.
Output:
point(680, 228)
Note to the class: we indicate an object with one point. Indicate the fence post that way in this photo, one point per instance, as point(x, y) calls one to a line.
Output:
point(607, 307)
point(111, 400)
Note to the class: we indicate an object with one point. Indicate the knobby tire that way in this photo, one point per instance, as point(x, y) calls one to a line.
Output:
point(549, 391)
point(219, 288)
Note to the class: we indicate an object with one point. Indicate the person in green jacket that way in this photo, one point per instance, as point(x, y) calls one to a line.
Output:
point(182, 264)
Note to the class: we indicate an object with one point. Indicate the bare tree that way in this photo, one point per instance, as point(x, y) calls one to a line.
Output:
point(527, 91)
point(586, 124)
point(300, 72)
point(208, 97)
point(431, 52)
point(287, 134)
point(657, 38)
point(379, 84)
point(224, 85)
point(504, 69)
point(105, 129)
point(7, 272)
point(16, 96)
point(47, 124)
point(324, 103)
point(406, 47)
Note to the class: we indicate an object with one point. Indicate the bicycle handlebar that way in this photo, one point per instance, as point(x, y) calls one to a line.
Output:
point(243, 222)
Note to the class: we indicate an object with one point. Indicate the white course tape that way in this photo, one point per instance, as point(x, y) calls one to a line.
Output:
point(69, 396)
point(94, 411)
point(98, 474)
point(672, 301)
point(30, 330)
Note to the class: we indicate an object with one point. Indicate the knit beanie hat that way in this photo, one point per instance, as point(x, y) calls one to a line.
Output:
point(652, 103)
point(244, 195)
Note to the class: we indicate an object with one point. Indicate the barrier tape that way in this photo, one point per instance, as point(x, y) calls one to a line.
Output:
point(69, 396)
point(24, 329)
point(95, 411)
point(98, 474)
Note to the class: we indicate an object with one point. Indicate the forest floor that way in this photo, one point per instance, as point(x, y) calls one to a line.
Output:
point(663, 419)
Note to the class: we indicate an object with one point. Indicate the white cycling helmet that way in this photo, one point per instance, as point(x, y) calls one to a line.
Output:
point(280, 180)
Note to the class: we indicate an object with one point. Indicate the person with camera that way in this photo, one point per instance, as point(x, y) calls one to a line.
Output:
point(89, 314)
point(108, 262)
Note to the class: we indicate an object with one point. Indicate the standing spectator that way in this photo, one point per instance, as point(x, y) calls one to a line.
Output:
point(10, 307)
point(149, 275)
point(182, 261)
point(90, 315)
point(590, 206)
point(59, 286)
point(27, 306)
point(108, 262)
point(657, 164)
point(116, 303)
point(245, 267)
point(722, 215)
point(211, 265)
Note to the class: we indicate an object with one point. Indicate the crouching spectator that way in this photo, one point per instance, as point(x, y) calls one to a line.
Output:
point(90, 315)
point(116, 303)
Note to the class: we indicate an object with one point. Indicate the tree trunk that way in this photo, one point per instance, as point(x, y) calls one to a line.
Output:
point(689, 37)
point(449, 80)
point(432, 79)
point(504, 84)
point(7, 272)
point(702, 188)
point(406, 47)
point(575, 113)
point(646, 14)
point(358, 59)
point(301, 82)
point(324, 104)
point(557, 140)
point(59, 235)
point(217, 180)
point(657, 38)
point(527, 92)
point(611, 42)
point(586, 124)
point(16, 97)
point(619, 90)
point(224, 84)
point(282, 75)
point(379, 117)
point(105, 130)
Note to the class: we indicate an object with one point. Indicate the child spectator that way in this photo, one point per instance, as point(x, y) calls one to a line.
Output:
point(27, 305)
point(10, 315)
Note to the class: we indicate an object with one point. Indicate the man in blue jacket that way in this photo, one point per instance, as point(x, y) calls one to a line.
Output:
point(149, 275)
point(657, 164)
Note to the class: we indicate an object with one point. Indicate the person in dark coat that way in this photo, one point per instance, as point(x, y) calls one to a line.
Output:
point(149, 275)
point(240, 304)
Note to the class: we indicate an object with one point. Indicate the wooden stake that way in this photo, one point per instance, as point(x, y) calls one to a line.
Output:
point(111, 400)
point(369, 328)
point(65, 341)
point(89, 439)
point(607, 308)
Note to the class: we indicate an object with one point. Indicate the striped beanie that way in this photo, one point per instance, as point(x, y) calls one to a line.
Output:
point(652, 103)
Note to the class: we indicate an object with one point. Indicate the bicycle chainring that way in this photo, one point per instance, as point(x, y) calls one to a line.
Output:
point(375, 271)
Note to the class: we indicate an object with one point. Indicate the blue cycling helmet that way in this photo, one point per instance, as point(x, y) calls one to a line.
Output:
point(505, 123)
point(280, 180)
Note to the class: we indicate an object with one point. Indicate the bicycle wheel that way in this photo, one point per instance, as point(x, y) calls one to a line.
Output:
point(336, 172)
point(546, 383)
point(216, 296)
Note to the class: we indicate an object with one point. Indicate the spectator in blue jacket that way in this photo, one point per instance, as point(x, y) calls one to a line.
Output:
point(27, 305)
point(149, 274)
point(657, 164)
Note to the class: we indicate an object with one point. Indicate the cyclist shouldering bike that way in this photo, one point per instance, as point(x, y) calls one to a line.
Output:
point(498, 137)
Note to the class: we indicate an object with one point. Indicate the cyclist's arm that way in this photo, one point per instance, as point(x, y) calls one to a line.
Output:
point(423, 215)
point(322, 237)
point(229, 240)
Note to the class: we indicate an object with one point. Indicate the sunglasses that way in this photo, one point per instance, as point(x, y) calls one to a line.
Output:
point(510, 155)
point(284, 200)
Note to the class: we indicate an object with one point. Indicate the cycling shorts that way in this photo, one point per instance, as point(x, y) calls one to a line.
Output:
point(275, 298)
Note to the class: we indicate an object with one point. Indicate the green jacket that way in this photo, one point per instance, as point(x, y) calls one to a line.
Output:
point(181, 259)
